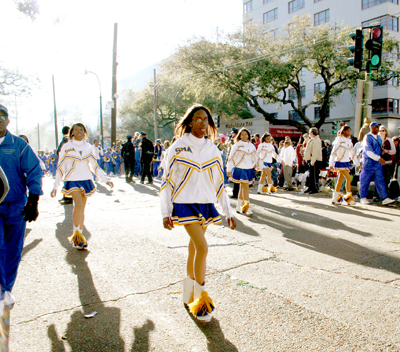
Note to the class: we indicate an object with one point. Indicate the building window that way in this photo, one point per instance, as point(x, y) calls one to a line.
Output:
point(248, 6)
point(321, 17)
point(385, 106)
point(317, 0)
point(293, 94)
point(272, 34)
point(296, 5)
point(266, 1)
point(388, 22)
point(319, 87)
point(369, 3)
point(317, 113)
point(270, 15)
point(294, 115)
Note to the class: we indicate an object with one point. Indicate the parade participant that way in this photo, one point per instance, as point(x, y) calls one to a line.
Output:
point(265, 152)
point(372, 166)
point(231, 142)
point(76, 167)
point(192, 184)
point(146, 158)
point(240, 168)
point(116, 157)
point(342, 153)
point(98, 153)
point(128, 153)
point(388, 154)
point(19, 171)
point(108, 161)
point(65, 131)
point(158, 149)
point(313, 154)
point(288, 158)
point(53, 163)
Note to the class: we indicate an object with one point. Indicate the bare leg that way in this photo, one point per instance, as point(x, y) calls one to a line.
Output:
point(190, 260)
point(339, 181)
point(198, 239)
point(262, 178)
point(244, 188)
point(269, 175)
point(78, 208)
point(346, 174)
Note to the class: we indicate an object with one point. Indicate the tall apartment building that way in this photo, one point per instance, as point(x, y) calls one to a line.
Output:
point(354, 13)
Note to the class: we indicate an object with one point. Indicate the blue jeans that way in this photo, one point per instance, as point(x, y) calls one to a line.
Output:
point(156, 164)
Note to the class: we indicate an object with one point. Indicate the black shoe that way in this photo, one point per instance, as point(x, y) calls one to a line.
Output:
point(312, 192)
point(149, 183)
point(65, 201)
point(142, 182)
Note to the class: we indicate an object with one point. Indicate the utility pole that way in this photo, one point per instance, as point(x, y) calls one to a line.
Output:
point(55, 114)
point(38, 136)
point(155, 106)
point(114, 88)
point(16, 115)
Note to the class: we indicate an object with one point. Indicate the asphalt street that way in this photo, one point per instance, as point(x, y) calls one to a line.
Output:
point(299, 275)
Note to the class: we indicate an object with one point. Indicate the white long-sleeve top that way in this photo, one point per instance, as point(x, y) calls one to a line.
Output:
point(193, 173)
point(289, 156)
point(266, 152)
point(243, 155)
point(98, 151)
point(343, 151)
point(77, 162)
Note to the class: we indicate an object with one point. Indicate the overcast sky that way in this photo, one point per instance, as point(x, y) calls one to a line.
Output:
point(70, 36)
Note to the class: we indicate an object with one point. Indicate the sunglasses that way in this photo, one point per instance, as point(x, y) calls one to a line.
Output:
point(3, 117)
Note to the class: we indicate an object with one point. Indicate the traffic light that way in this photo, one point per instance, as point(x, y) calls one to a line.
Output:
point(217, 120)
point(374, 45)
point(356, 49)
point(334, 130)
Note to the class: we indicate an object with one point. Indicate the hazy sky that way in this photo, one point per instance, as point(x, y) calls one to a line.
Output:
point(70, 36)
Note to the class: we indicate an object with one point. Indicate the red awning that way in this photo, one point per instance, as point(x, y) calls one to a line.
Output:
point(283, 131)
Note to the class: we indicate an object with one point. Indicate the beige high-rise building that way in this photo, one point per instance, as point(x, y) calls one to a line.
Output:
point(354, 13)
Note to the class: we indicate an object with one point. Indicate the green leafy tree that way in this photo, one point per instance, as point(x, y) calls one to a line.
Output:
point(13, 82)
point(265, 70)
point(29, 8)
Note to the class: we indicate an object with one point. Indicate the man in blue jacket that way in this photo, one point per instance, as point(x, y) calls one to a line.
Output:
point(20, 170)
point(372, 166)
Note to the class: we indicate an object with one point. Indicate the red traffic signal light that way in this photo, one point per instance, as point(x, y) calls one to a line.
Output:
point(374, 45)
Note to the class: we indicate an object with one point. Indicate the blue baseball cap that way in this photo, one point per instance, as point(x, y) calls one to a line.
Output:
point(374, 123)
point(143, 133)
point(4, 109)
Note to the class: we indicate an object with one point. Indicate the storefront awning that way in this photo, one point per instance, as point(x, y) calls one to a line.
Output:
point(283, 131)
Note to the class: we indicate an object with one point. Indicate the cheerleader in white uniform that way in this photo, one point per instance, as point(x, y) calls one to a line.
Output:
point(240, 168)
point(193, 181)
point(342, 153)
point(76, 166)
point(266, 152)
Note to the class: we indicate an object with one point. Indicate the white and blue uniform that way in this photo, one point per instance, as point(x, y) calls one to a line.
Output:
point(76, 168)
point(193, 182)
point(372, 168)
point(22, 168)
point(266, 152)
point(342, 153)
point(242, 159)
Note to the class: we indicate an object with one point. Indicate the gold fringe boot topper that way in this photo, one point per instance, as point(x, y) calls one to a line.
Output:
point(202, 306)
point(78, 240)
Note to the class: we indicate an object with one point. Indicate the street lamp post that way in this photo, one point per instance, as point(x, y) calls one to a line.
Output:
point(101, 109)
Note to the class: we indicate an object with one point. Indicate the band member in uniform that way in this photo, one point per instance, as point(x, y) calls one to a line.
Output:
point(128, 153)
point(240, 168)
point(76, 167)
point(108, 161)
point(19, 171)
point(193, 181)
point(116, 156)
point(146, 158)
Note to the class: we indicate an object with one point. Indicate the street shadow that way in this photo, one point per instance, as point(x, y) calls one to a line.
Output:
point(301, 215)
point(216, 341)
point(142, 334)
point(102, 332)
point(27, 231)
point(31, 246)
point(152, 190)
point(57, 345)
point(242, 227)
point(103, 189)
point(329, 245)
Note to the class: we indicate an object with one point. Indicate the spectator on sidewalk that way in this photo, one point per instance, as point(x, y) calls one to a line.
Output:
point(313, 155)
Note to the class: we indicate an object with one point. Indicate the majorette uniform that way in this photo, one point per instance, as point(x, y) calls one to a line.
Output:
point(342, 153)
point(193, 182)
point(242, 159)
point(75, 167)
point(266, 152)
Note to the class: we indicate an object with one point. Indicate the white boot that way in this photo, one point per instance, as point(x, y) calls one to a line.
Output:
point(202, 306)
point(248, 211)
point(9, 299)
point(335, 198)
point(187, 291)
point(260, 189)
point(239, 206)
point(348, 199)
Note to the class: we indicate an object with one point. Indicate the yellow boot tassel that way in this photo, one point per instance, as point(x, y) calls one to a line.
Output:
point(202, 305)
point(340, 197)
point(272, 189)
point(264, 189)
point(78, 240)
point(348, 198)
point(245, 207)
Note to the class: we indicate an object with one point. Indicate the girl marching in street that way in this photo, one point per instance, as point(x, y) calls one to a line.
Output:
point(192, 183)
point(266, 151)
point(240, 168)
point(342, 153)
point(76, 166)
